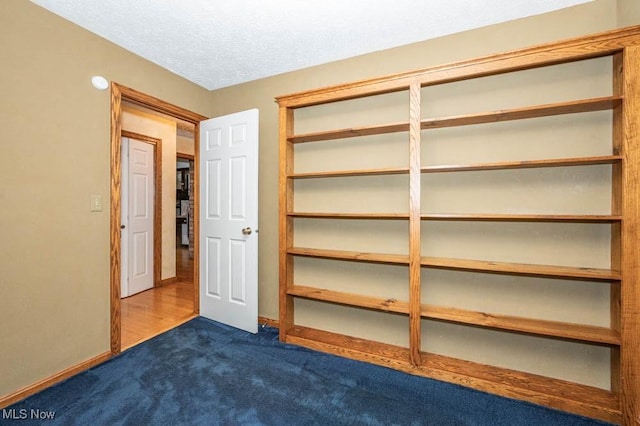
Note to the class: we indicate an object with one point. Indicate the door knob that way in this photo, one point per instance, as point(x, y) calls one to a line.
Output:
point(122, 226)
point(246, 231)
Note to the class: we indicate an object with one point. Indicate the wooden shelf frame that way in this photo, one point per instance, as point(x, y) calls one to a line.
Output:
point(335, 215)
point(346, 173)
point(509, 268)
point(571, 50)
point(352, 256)
point(622, 403)
point(506, 268)
point(538, 327)
point(536, 111)
point(573, 218)
point(465, 217)
point(504, 165)
point(350, 133)
point(559, 394)
point(526, 164)
point(349, 299)
point(564, 330)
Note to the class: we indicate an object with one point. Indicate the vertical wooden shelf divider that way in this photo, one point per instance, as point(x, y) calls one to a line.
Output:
point(620, 404)
point(415, 310)
point(617, 139)
point(286, 221)
point(626, 139)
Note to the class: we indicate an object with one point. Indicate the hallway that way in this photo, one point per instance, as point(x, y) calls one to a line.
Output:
point(152, 312)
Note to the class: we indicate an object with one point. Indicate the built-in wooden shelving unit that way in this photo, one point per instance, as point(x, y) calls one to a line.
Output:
point(620, 404)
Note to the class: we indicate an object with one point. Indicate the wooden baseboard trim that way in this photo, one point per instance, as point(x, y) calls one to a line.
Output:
point(34, 388)
point(269, 322)
point(168, 281)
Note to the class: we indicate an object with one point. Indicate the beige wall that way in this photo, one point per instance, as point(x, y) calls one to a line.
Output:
point(54, 253)
point(581, 20)
point(628, 13)
point(157, 127)
point(185, 144)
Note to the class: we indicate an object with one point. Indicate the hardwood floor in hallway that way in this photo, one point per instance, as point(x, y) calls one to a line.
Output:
point(152, 312)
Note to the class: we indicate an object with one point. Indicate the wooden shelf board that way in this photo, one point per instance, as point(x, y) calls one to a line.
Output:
point(591, 274)
point(343, 173)
point(468, 217)
point(584, 333)
point(318, 215)
point(556, 393)
point(578, 218)
point(564, 395)
point(396, 259)
point(570, 272)
point(571, 107)
point(350, 133)
point(391, 354)
point(350, 299)
point(528, 164)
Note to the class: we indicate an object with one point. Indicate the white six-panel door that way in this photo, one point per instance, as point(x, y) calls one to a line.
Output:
point(138, 198)
point(229, 219)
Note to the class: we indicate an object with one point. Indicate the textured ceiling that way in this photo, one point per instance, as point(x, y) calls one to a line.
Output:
point(225, 42)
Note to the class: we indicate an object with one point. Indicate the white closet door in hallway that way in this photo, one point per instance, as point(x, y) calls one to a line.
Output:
point(137, 216)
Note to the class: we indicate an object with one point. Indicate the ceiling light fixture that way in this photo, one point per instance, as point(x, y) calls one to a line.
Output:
point(99, 82)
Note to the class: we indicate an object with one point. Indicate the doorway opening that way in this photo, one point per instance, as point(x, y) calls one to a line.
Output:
point(120, 94)
point(184, 216)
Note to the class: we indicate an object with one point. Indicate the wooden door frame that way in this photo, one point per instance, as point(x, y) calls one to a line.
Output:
point(157, 201)
point(118, 94)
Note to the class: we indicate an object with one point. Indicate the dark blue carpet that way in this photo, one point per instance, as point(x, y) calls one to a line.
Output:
point(205, 373)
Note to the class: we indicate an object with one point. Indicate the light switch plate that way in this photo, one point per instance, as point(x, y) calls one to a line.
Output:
point(96, 203)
